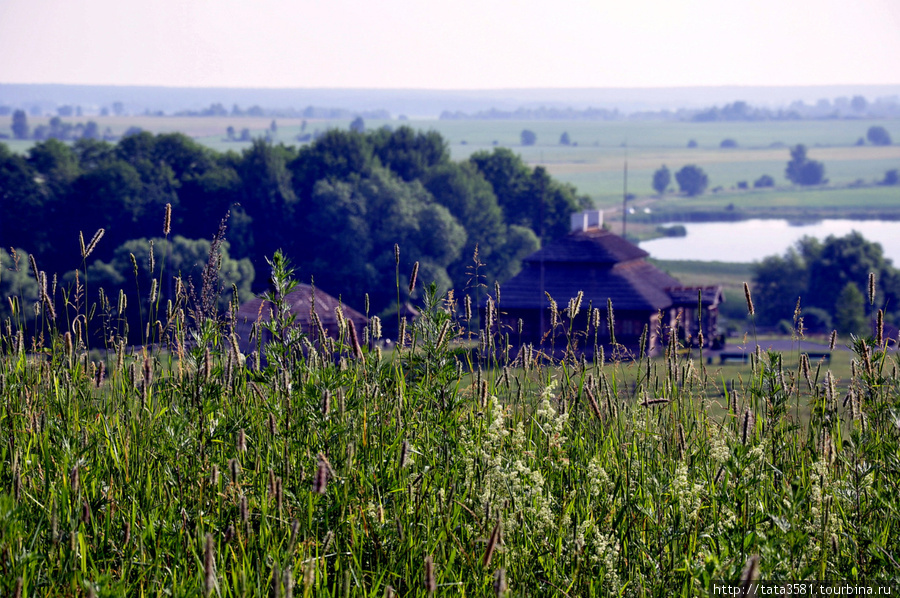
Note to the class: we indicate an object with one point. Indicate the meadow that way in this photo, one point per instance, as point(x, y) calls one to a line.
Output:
point(595, 160)
point(341, 466)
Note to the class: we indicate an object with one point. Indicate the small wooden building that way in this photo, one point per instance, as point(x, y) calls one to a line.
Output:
point(301, 301)
point(605, 267)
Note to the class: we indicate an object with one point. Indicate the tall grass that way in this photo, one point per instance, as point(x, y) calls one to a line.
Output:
point(321, 466)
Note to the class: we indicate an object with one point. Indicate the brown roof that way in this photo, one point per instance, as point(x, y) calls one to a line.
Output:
point(634, 285)
point(595, 246)
point(599, 263)
point(300, 301)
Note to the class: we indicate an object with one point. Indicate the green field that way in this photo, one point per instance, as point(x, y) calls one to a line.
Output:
point(595, 165)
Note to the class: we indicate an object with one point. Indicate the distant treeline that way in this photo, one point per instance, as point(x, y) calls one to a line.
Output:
point(317, 112)
point(336, 207)
point(218, 109)
point(541, 113)
point(856, 107)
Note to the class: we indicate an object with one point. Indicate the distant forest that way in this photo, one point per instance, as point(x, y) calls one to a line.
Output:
point(855, 107)
point(336, 207)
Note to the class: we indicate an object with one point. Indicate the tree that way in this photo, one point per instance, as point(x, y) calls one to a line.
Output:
point(91, 131)
point(564, 139)
point(524, 194)
point(803, 171)
point(878, 136)
point(661, 180)
point(268, 197)
point(850, 311)
point(764, 181)
point(528, 137)
point(859, 103)
point(692, 180)
point(818, 271)
point(728, 144)
point(891, 177)
point(778, 282)
point(358, 125)
point(20, 125)
point(409, 153)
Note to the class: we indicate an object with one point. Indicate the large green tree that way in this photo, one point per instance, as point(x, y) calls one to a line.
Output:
point(529, 197)
point(850, 311)
point(817, 273)
point(409, 153)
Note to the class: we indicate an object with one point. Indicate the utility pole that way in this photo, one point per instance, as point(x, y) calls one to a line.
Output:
point(625, 192)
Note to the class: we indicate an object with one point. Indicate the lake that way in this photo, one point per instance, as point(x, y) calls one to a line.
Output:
point(753, 240)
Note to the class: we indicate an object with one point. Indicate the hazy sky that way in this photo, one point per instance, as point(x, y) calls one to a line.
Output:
point(450, 44)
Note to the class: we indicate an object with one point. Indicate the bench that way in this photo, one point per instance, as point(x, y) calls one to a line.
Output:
point(733, 355)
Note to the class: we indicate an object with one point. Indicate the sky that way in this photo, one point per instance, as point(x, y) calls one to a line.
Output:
point(450, 44)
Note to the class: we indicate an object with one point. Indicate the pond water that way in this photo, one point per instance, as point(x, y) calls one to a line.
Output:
point(752, 240)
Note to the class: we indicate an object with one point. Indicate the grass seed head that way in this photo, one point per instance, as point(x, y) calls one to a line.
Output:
point(354, 340)
point(93, 244)
point(234, 467)
point(430, 584)
point(209, 565)
point(412, 277)
point(747, 426)
point(320, 482)
point(493, 541)
point(750, 309)
point(871, 288)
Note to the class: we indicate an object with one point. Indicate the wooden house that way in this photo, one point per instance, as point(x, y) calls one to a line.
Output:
point(605, 268)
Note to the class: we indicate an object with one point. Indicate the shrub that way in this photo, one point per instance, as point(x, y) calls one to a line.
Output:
point(528, 137)
point(661, 179)
point(728, 143)
point(764, 181)
point(878, 135)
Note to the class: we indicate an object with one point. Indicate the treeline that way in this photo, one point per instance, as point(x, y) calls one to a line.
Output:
point(850, 108)
point(318, 112)
point(336, 207)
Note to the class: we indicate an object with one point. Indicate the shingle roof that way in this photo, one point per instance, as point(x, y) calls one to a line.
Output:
point(595, 246)
point(633, 285)
point(599, 263)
